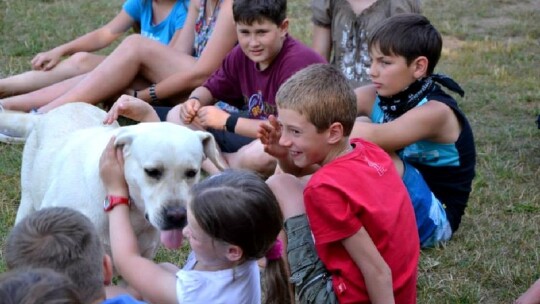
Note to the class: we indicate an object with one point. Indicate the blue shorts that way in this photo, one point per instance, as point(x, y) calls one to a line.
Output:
point(313, 283)
point(432, 223)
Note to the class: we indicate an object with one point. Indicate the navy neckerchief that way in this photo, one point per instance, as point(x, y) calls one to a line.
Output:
point(395, 106)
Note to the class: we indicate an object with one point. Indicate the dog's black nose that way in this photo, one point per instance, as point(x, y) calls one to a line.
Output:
point(176, 217)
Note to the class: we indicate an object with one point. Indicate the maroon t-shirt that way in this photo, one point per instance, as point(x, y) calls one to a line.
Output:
point(239, 79)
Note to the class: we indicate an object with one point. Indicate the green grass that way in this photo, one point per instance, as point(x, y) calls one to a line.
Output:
point(491, 48)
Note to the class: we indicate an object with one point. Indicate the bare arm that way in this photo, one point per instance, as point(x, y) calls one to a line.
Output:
point(176, 38)
point(185, 40)
point(89, 42)
point(220, 43)
point(155, 283)
point(531, 296)
point(375, 271)
point(322, 41)
point(433, 121)
point(365, 98)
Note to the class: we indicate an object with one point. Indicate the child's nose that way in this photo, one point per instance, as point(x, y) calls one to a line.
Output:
point(185, 232)
point(372, 71)
point(253, 40)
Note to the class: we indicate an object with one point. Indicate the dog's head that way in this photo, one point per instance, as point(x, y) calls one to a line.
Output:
point(162, 162)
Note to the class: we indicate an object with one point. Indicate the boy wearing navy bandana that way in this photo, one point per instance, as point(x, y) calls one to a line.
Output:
point(414, 120)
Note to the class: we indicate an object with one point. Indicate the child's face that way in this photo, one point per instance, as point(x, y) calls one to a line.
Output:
point(390, 74)
point(306, 146)
point(261, 41)
point(211, 254)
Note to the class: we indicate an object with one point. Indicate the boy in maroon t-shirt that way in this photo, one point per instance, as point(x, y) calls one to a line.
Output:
point(265, 57)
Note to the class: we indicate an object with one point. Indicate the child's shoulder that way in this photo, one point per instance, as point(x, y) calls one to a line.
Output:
point(296, 51)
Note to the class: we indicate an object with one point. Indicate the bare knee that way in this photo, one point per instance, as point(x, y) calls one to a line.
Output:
point(174, 115)
point(288, 190)
point(278, 181)
point(264, 164)
point(83, 61)
point(133, 45)
point(252, 157)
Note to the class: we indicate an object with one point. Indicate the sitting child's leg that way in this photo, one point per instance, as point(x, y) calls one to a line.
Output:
point(433, 226)
point(252, 157)
point(312, 282)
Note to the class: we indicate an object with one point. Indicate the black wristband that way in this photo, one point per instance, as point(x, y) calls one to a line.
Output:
point(153, 95)
point(230, 123)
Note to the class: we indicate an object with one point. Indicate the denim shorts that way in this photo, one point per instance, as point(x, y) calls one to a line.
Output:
point(433, 226)
point(313, 283)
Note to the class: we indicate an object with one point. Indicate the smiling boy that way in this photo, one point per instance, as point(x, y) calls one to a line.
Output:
point(265, 57)
point(351, 233)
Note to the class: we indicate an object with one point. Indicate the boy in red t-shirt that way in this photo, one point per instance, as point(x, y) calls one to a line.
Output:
point(351, 229)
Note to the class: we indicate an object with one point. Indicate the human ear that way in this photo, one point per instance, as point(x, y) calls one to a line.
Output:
point(420, 66)
point(107, 270)
point(284, 27)
point(234, 253)
point(335, 133)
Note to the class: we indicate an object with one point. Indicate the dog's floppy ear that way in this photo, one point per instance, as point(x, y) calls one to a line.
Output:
point(124, 138)
point(210, 148)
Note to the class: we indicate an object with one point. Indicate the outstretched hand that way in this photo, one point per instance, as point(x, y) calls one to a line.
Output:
point(269, 133)
point(111, 170)
point(132, 108)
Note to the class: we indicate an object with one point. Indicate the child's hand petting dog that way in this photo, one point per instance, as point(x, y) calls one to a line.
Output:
point(132, 108)
point(111, 170)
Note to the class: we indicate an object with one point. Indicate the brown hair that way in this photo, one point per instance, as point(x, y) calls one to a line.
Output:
point(239, 208)
point(62, 239)
point(322, 94)
point(410, 36)
point(41, 285)
point(250, 11)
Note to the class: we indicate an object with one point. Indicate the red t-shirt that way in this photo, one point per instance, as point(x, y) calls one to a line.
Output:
point(363, 189)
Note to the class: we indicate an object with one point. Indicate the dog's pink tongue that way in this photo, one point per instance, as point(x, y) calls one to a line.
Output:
point(172, 239)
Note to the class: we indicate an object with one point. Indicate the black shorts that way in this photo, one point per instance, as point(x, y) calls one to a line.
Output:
point(229, 142)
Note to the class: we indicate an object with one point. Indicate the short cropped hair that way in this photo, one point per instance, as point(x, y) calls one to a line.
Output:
point(62, 239)
point(322, 94)
point(410, 36)
point(39, 285)
point(250, 11)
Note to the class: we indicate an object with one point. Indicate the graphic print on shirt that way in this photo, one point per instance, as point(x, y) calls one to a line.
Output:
point(258, 108)
point(356, 61)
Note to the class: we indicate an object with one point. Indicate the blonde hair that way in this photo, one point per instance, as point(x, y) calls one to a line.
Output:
point(322, 94)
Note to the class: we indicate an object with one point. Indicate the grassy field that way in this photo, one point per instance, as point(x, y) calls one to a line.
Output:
point(491, 47)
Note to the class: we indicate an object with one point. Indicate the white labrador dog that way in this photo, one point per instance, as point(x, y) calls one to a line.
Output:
point(60, 167)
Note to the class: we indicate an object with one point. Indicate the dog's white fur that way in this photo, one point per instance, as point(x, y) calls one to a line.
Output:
point(60, 167)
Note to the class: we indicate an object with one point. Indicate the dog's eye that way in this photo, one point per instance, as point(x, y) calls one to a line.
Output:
point(153, 173)
point(191, 173)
